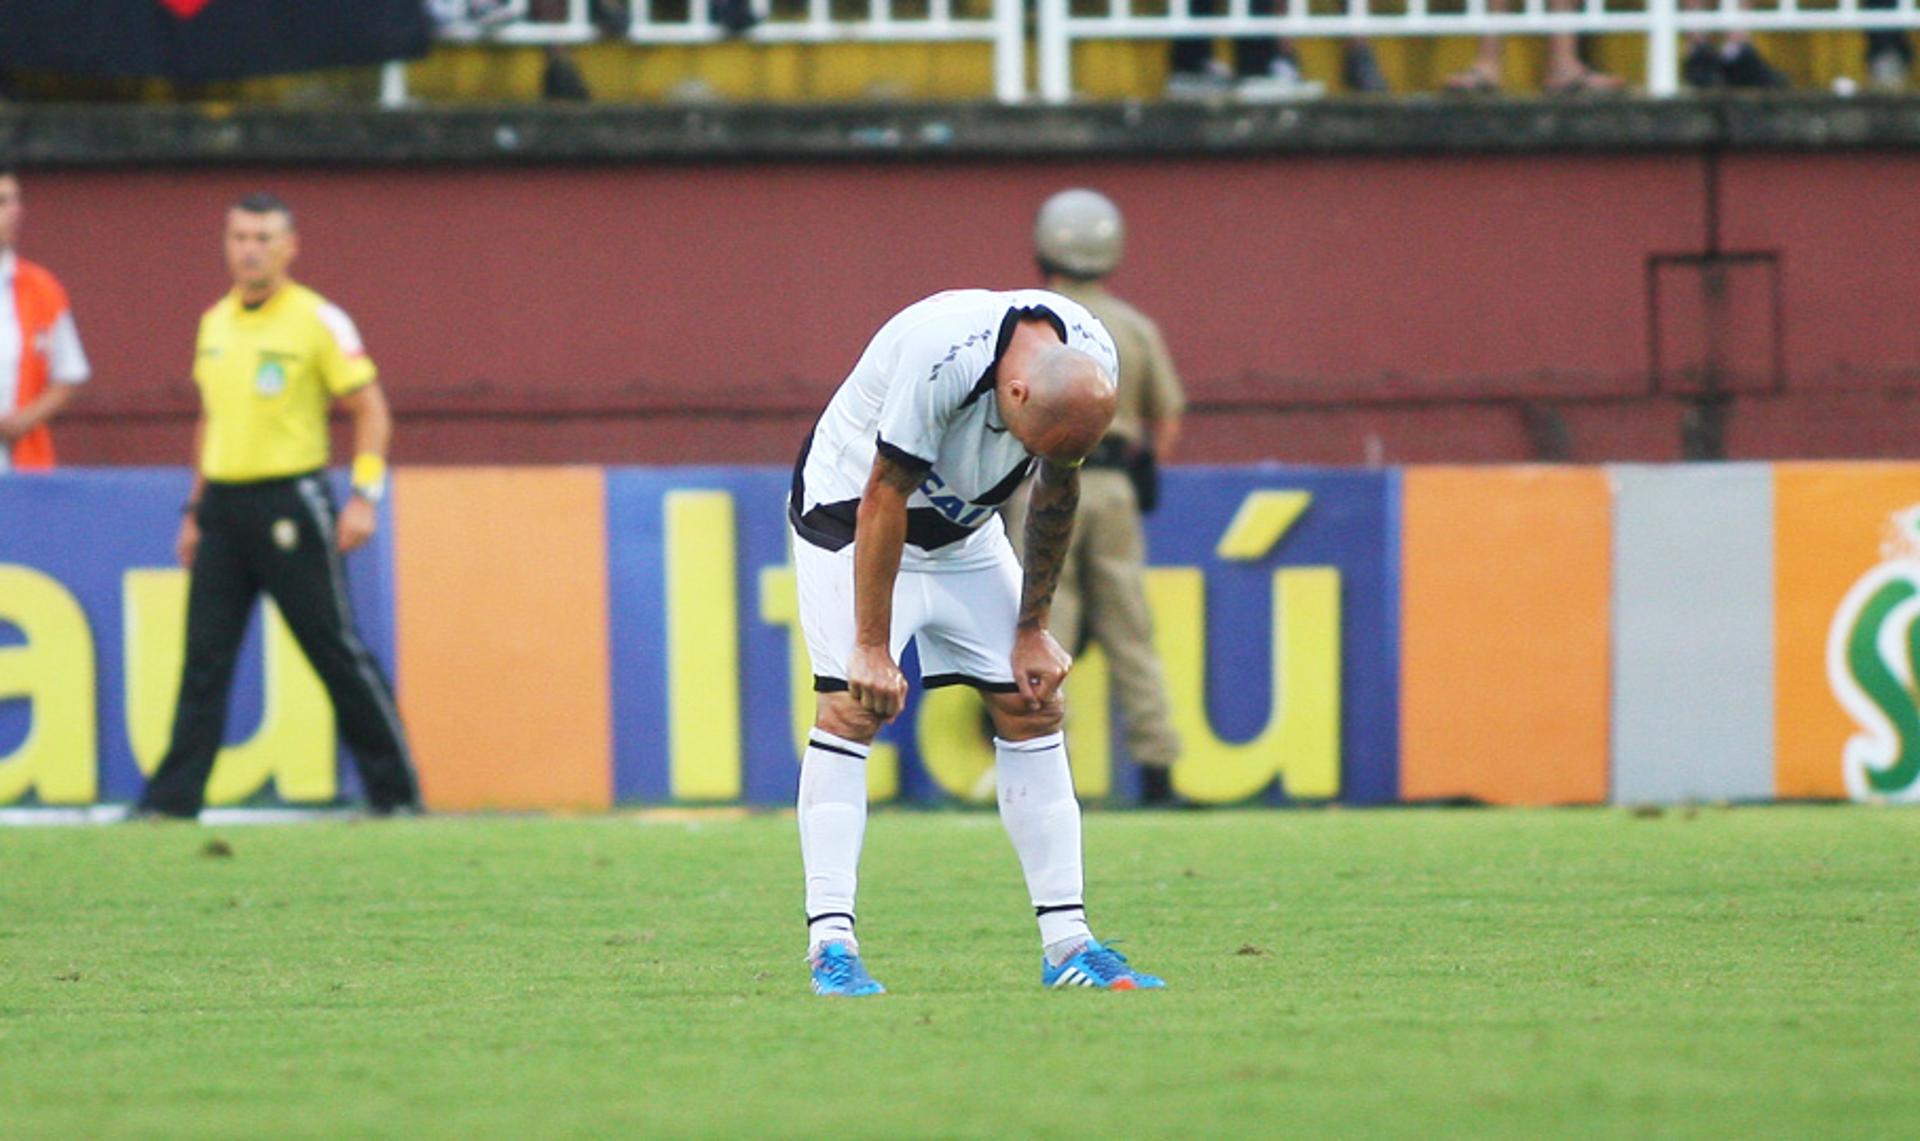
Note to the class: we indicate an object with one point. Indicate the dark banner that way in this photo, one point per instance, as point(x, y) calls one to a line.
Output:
point(206, 39)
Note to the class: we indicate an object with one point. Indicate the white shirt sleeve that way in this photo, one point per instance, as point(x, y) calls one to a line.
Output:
point(935, 372)
point(343, 330)
point(1093, 338)
point(66, 360)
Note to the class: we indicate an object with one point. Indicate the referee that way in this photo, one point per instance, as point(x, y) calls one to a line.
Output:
point(272, 357)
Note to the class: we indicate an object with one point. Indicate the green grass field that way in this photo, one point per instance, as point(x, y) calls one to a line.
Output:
point(1395, 972)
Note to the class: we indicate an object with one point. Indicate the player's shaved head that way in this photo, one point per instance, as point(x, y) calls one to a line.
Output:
point(1067, 406)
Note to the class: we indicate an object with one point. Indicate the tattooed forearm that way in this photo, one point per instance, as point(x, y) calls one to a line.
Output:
point(896, 475)
point(880, 535)
point(1056, 495)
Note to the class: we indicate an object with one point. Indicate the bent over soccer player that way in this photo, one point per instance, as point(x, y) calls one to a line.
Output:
point(896, 537)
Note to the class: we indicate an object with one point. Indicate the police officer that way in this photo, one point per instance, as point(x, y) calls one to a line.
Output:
point(272, 357)
point(1077, 238)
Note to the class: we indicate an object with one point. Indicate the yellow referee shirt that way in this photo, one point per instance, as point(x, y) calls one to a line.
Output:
point(268, 376)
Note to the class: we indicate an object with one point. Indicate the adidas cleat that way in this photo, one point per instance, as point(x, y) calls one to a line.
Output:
point(838, 972)
point(1097, 966)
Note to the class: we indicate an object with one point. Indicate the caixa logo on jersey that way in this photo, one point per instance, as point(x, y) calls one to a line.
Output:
point(1872, 649)
point(950, 505)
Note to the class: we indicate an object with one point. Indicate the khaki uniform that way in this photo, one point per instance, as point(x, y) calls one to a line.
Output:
point(1102, 592)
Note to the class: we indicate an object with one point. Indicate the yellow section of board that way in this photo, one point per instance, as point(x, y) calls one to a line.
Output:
point(1301, 740)
point(53, 671)
point(1263, 519)
point(703, 639)
point(294, 745)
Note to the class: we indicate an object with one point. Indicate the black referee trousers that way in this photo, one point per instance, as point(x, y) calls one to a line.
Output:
point(276, 536)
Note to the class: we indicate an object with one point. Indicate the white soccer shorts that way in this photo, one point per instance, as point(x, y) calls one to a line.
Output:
point(962, 621)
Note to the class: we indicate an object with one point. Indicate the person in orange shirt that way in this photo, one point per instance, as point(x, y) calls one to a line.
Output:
point(41, 361)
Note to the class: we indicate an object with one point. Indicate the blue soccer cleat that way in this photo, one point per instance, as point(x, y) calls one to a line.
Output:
point(1097, 966)
point(838, 972)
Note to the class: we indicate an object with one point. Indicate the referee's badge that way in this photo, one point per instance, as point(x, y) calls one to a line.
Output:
point(286, 535)
point(271, 380)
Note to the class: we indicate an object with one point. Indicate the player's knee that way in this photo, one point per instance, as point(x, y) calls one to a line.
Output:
point(842, 716)
point(1014, 720)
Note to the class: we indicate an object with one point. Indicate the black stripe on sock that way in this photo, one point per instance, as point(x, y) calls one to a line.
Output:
point(846, 915)
point(1053, 907)
point(841, 749)
point(1027, 745)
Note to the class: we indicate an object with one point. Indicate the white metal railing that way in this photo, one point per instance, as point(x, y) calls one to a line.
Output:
point(999, 22)
point(1663, 22)
point(1061, 23)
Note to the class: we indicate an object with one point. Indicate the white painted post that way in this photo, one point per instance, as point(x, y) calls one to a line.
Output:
point(393, 84)
point(1056, 53)
point(1663, 48)
point(1009, 51)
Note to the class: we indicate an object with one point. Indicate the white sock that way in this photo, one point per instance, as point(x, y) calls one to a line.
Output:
point(1043, 820)
point(1061, 950)
point(832, 810)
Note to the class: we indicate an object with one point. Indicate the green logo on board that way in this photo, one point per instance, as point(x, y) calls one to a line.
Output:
point(1873, 647)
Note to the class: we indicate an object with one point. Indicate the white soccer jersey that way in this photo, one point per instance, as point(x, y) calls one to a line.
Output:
point(923, 392)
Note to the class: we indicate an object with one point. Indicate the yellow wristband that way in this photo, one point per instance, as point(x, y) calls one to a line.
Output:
point(370, 476)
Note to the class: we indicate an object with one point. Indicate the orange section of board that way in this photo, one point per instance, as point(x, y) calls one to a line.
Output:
point(501, 600)
point(1506, 587)
point(1833, 524)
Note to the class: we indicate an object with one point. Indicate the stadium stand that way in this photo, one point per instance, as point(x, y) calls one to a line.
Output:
point(1098, 49)
point(814, 51)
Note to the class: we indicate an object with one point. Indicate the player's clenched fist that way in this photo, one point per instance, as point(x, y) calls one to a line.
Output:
point(1040, 664)
point(875, 681)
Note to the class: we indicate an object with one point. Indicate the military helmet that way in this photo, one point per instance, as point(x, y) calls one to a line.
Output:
point(1079, 232)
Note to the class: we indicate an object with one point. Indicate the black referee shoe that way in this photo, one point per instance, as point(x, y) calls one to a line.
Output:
point(403, 810)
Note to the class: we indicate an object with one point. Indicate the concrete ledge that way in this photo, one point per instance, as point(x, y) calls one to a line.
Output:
point(52, 135)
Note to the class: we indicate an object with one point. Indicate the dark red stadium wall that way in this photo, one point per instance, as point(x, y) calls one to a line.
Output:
point(1337, 309)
